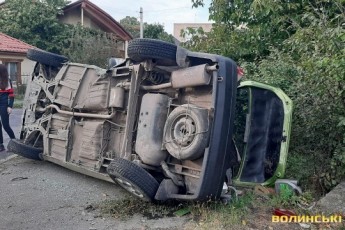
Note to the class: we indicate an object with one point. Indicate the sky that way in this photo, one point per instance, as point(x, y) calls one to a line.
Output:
point(165, 12)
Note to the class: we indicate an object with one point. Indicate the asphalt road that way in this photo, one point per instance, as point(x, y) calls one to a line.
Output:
point(40, 195)
point(15, 123)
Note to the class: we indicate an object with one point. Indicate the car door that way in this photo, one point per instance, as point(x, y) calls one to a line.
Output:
point(262, 133)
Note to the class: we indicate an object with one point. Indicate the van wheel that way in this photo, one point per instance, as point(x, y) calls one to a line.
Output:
point(18, 147)
point(46, 58)
point(133, 178)
point(186, 132)
point(161, 53)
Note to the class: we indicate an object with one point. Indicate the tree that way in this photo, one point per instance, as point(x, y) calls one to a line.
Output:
point(34, 22)
point(258, 25)
point(90, 46)
point(132, 25)
point(155, 31)
point(298, 46)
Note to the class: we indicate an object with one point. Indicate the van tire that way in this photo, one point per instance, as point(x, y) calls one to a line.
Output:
point(133, 178)
point(161, 53)
point(194, 122)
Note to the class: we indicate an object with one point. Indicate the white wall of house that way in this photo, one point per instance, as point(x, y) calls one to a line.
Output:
point(73, 17)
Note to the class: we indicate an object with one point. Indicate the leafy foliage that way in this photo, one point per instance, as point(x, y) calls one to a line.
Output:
point(89, 46)
point(194, 37)
point(319, 52)
point(298, 46)
point(250, 29)
point(132, 25)
point(155, 31)
point(34, 22)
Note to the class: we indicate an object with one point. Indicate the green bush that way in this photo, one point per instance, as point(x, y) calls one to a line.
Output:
point(89, 46)
point(20, 90)
point(310, 69)
point(298, 46)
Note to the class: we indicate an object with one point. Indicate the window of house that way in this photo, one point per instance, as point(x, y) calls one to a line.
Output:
point(12, 68)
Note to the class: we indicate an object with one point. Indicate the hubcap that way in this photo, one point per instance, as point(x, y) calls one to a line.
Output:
point(129, 187)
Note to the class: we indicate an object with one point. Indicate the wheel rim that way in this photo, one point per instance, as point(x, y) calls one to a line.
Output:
point(129, 187)
point(183, 130)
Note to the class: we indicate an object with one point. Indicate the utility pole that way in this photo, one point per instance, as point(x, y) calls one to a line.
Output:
point(141, 23)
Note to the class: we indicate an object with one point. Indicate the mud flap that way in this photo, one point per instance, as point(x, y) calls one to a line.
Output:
point(166, 189)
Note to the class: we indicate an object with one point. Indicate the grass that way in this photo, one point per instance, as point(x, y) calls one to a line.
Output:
point(305, 168)
point(129, 206)
point(249, 211)
point(18, 101)
point(216, 215)
point(18, 104)
point(206, 215)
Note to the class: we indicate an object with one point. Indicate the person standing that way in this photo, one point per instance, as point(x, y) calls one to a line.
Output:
point(6, 104)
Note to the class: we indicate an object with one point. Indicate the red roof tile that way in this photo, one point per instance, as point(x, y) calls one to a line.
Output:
point(9, 44)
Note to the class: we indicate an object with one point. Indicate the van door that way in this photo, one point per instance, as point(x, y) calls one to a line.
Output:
point(262, 133)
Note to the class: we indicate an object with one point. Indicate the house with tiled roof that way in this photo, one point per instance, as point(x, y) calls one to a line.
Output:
point(89, 15)
point(13, 55)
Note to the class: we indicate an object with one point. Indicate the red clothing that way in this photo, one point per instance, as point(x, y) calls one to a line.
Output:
point(7, 96)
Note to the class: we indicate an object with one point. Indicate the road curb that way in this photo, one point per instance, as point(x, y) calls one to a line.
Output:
point(8, 158)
